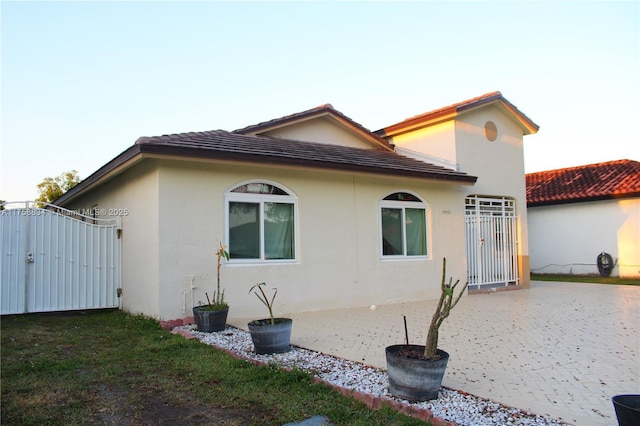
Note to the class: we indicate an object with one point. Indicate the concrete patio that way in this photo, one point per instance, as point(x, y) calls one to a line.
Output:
point(557, 349)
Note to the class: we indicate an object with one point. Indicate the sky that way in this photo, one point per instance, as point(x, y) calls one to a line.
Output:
point(80, 82)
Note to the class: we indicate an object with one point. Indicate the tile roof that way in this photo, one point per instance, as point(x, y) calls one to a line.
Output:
point(221, 144)
point(230, 146)
point(601, 181)
point(458, 108)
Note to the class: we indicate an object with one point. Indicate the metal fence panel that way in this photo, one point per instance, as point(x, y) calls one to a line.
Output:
point(55, 260)
point(492, 246)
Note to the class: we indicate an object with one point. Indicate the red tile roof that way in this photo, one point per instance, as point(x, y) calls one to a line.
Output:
point(458, 108)
point(601, 181)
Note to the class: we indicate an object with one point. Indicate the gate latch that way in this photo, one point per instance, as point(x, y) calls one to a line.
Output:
point(30, 257)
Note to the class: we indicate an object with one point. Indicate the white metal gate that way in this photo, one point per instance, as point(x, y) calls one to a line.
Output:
point(54, 259)
point(492, 244)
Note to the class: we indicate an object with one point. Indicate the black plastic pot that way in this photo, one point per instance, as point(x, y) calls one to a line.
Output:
point(415, 379)
point(627, 409)
point(209, 321)
point(271, 339)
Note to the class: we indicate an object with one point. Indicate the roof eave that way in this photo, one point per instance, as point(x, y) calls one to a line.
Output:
point(183, 152)
point(560, 201)
point(124, 160)
point(450, 113)
point(528, 126)
point(417, 123)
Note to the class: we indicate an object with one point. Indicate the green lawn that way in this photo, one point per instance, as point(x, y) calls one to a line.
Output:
point(585, 279)
point(108, 367)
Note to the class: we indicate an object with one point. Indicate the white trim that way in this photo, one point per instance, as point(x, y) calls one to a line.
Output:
point(260, 199)
point(403, 205)
point(491, 236)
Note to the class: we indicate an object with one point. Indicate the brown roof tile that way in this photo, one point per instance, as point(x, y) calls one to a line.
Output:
point(601, 181)
point(220, 144)
point(230, 146)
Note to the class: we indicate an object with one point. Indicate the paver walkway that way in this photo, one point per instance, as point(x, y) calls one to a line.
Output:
point(557, 349)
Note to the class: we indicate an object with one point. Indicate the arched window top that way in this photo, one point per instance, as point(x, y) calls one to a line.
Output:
point(261, 222)
point(403, 220)
point(261, 187)
point(403, 196)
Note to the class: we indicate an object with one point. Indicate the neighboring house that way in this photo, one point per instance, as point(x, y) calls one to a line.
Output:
point(330, 213)
point(577, 213)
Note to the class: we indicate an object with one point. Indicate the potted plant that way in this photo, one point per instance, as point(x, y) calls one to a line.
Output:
point(213, 316)
point(627, 408)
point(269, 335)
point(415, 371)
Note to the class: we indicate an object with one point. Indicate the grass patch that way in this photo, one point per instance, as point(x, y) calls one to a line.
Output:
point(108, 367)
point(585, 279)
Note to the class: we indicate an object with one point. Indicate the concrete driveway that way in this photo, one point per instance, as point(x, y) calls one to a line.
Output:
point(556, 349)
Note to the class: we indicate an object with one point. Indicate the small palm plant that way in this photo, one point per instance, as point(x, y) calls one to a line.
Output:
point(265, 300)
point(269, 335)
point(445, 305)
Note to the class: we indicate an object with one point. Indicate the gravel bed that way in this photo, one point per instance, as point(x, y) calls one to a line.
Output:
point(456, 406)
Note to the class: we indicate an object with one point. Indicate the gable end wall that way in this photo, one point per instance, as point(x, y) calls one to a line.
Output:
point(320, 130)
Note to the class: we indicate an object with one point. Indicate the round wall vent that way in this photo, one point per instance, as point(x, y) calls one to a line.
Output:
point(490, 131)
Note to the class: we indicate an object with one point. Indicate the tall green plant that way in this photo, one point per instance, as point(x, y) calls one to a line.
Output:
point(446, 303)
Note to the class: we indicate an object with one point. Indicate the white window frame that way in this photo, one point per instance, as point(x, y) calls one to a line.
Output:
point(261, 199)
point(403, 205)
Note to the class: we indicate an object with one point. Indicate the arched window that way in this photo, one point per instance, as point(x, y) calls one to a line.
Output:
point(404, 225)
point(261, 222)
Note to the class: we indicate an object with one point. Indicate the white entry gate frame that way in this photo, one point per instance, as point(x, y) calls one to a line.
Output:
point(492, 242)
point(55, 259)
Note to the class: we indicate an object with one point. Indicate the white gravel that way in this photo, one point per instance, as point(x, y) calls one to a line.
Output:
point(459, 407)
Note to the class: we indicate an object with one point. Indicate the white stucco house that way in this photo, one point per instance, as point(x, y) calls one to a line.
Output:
point(577, 213)
point(330, 213)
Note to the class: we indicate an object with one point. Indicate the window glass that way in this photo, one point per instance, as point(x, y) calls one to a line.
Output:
point(402, 196)
point(392, 232)
point(404, 225)
point(261, 223)
point(244, 231)
point(278, 231)
point(416, 232)
point(259, 188)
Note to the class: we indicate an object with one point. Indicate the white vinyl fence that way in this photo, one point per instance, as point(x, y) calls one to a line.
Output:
point(57, 260)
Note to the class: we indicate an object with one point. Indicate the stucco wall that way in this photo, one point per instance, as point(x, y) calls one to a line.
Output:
point(499, 166)
point(339, 261)
point(437, 141)
point(568, 238)
point(320, 130)
point(135, 190)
